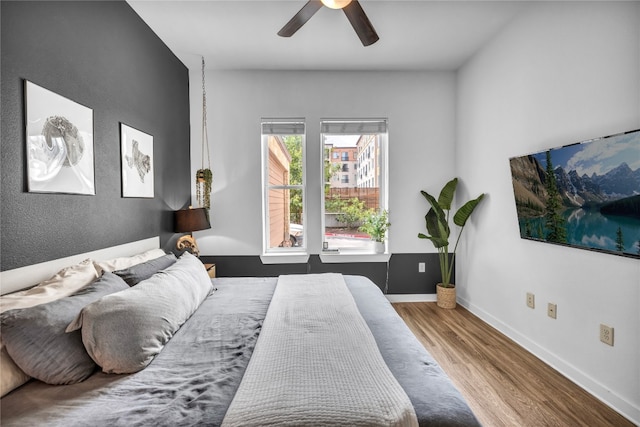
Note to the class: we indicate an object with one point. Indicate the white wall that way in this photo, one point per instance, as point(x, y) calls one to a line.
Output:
point(562, 72)
point(420, 107)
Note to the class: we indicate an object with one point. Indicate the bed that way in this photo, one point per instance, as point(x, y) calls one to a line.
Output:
point(202, 368)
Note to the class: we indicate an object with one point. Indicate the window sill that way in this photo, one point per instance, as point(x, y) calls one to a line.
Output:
point(347, 257)
point(285, 258)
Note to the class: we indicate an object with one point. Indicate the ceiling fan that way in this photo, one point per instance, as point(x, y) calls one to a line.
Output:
point(351, 8)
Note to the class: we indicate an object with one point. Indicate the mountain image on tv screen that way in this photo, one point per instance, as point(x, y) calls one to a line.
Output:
point(585, 195)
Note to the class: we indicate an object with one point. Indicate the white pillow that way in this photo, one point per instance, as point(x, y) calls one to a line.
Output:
point(127, 261)
point(12, 376)
point(64, 283)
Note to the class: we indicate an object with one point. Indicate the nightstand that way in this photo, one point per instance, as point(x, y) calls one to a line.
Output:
point(211, 269)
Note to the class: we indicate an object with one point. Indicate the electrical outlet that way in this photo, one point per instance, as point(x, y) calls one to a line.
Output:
point(606, 334)
point(421, 267)
point(531, 300)
point(552, 310)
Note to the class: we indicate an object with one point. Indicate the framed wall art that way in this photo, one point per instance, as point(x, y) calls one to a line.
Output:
point(59, 143)
point(584, 195)
point(137, 162)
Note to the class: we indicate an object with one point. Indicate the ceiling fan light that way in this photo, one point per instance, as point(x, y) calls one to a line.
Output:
point(335, 4)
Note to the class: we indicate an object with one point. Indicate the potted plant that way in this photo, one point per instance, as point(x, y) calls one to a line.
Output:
point(204, 179)
point(204, 176)
point(376, 224)
point(437, 224)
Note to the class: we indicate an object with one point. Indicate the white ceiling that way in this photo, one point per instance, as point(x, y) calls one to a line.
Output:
point(241, 34)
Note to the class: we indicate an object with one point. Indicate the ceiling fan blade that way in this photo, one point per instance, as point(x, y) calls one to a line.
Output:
point(300, 18)
point(361, 23)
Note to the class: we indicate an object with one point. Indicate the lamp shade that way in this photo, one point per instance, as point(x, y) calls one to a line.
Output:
point(188, 220)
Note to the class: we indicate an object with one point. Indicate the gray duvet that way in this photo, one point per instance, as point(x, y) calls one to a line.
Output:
point(193, 380)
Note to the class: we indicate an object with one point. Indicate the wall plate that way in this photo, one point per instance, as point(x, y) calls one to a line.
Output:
point(606, 334)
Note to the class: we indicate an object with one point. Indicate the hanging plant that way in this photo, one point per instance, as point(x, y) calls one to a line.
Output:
point(204, 179)
point(204, 176)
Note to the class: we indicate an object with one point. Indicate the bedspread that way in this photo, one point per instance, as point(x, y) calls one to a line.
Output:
point(317, 363)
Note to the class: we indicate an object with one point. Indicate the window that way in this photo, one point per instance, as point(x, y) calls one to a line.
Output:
point(348, 202)
point(283, 185)
point(345, 156)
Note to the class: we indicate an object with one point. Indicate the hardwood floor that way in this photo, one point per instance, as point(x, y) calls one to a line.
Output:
point(504, 384)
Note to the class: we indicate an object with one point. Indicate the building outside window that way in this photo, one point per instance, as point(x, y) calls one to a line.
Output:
point(347, 202)
point(343, 159)
point(283, 185)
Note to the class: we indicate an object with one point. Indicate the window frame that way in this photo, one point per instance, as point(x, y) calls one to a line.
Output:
point(294, 253)
point(359, 255)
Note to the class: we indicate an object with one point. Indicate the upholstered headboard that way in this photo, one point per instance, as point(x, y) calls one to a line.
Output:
point(25, 277)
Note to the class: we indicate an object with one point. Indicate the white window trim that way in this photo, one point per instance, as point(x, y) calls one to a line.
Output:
point(347, 256)
point(282, 255)
point(281, 258)
point(331, 257)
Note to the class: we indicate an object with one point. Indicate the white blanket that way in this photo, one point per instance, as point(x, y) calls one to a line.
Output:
point(317, 363)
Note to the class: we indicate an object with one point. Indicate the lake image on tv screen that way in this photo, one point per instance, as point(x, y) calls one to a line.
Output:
point(585, 195)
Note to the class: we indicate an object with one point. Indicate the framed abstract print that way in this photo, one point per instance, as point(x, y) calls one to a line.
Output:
point(137, 162)
point(59, 143)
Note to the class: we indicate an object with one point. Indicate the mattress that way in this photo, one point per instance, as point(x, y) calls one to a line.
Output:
point(195, 377)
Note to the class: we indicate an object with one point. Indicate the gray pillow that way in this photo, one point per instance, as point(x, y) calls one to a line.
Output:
point(148, 314)
point(35, 337)
point(137, 273)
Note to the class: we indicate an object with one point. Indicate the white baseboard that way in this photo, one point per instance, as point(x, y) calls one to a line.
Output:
point(595, 388)
point(411, 297)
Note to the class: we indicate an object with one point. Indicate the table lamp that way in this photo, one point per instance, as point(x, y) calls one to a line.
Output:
point(188, 221)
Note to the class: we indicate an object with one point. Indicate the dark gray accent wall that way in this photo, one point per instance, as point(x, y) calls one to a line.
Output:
point(404, 277)
point(101, 55)
point(400, 275)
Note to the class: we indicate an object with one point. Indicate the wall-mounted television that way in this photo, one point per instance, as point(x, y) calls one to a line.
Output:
point(584, 195)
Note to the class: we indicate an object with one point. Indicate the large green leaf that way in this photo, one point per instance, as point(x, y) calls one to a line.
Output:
point(437, 228)
point(446, 194)
point(465, 211)
point(435, 206)
point(436, 223)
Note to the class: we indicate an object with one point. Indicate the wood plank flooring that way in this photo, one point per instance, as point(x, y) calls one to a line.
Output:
point(503, 383)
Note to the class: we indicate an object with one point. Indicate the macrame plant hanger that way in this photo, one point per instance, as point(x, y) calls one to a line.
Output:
point(204, 176)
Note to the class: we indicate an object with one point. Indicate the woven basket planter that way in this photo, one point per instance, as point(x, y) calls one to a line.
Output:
point(446, 296)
